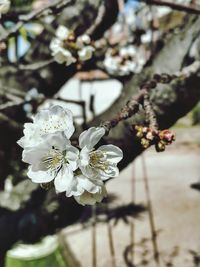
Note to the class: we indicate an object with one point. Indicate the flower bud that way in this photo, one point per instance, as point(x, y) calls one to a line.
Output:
point(167, 136)
point(160, 146)
point(145, 143)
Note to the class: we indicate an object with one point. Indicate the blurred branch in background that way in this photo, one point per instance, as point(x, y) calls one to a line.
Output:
point(52, 8)
point(176, 6)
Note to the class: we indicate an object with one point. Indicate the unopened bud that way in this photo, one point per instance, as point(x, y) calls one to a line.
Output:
point(145, 143)
point(160, 146)
point(150, 135)
point(167, 136)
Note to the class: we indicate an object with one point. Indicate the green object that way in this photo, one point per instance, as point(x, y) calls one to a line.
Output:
point(43, 254)
point(196, 114)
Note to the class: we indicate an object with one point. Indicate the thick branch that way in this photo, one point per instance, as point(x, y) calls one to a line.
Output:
point(182, 96)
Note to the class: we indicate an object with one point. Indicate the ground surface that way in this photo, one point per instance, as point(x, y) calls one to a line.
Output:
point(176, 209)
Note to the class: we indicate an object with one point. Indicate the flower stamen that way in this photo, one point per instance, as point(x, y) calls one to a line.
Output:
point(98, 160)
point(54, 160)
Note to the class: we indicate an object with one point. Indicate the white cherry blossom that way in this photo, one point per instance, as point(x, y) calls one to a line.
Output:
point(54, 158)
point(62, 55)
point(59, 52)
point(102, 162)
point(62, 32)
point(111, 64)
point(86, 191)
point(52, 120)
point(55, 45)
point(67, 48)
point(123, 61)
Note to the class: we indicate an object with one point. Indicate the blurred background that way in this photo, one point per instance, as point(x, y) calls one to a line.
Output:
point(151, 216)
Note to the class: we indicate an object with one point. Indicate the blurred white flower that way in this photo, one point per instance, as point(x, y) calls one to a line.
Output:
point(66, 48)
point(62, 55)
point(111, 65)
point(59, 52)
point(62, 32)
point(147, 37)
point(131, 50)
point(101, 163)
point(123, 52)
point(85, 53)
point(83, 40)
point(52, 120)
point(55, 45)
point(54, 158)
point(33, 94)
point(122, 61)
point(4, 6)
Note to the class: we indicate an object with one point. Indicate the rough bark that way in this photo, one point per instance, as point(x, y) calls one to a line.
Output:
point(171, 102)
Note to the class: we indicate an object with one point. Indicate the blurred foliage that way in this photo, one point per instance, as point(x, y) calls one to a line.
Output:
point(53, 260)
point(196, 115)
point(19, 3)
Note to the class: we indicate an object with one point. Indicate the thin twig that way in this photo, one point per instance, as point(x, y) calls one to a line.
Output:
point(33, 66)
point(100, 15)
point(132, 106)
point(150, 114)
point(175, 6)
point(52, 8)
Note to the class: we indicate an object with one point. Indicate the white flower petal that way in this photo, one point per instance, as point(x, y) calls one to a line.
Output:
point(84, 157)
point(88, 185)
point(72, 156)
point(62, 32)
point(83, 39)
point(111, 172)
point(64, 56)
point(90, 199)
point(89, 172)
point(55, 119)
point(55, 45)
point(64, 180)
point(113, 153)
point(85, 53)
point(35, 155)
point(91, 137)
point(82, 183)
point(40, 176)
point(31, 136)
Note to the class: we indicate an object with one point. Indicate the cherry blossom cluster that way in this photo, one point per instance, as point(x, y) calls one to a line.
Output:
point(4, 6)
point(67, 48)
point(122, 61)
point(158, 138)
point(78, 171)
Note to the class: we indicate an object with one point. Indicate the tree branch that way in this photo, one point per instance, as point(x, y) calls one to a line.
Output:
point(175, 6)
point(52, 8)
